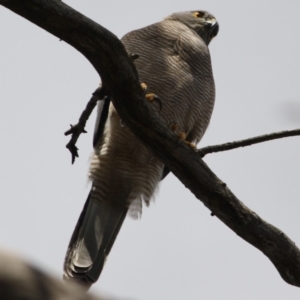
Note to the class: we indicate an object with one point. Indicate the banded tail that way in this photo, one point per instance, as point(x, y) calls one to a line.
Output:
point(93, 238)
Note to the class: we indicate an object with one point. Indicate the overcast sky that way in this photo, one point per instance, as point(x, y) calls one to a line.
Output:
point(177, 250)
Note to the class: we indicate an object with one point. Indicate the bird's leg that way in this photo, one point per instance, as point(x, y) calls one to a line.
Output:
point(151, 97)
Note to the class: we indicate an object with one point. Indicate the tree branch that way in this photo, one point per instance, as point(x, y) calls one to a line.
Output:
point(247, 142)
point(108, 56)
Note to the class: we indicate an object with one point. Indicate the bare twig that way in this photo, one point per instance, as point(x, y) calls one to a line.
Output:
point(247, 142)
point(78, 129)
point(108, 56)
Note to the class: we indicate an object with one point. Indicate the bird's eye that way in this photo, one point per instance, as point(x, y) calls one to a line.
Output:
point(198, 14)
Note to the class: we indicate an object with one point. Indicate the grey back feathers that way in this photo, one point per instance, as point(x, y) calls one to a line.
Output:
point(174, 62)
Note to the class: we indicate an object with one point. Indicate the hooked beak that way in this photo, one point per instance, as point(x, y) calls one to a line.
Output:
point(213, 28)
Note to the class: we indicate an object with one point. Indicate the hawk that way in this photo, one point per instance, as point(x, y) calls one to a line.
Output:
point(174, 62)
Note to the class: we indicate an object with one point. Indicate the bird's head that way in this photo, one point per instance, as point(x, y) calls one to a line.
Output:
point(204, 23)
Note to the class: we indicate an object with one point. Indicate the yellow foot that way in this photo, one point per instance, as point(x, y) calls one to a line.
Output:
point(144, 86)
point(182, 136)
point(191, 145)
point(151, 97)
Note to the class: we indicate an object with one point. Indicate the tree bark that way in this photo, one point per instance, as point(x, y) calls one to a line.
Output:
point(108, 56)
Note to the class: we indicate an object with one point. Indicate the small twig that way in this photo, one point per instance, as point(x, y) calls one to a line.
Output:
point(77, 129)
point(248, 142)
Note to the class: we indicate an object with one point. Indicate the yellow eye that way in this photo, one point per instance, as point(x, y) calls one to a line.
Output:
point(198, 14)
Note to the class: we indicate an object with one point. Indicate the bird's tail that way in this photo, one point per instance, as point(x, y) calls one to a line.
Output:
point(92, 239)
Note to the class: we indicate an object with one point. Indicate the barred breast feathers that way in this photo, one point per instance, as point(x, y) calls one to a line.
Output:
point(122, 155)
point(175, 64)
point(180, 67)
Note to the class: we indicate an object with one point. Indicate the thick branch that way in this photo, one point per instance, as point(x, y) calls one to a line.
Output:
point(248, 142)
point(109, 58)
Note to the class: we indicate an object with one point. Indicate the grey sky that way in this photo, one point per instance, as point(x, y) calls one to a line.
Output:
point(177, 250)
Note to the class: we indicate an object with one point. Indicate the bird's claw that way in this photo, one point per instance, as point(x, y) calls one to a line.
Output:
point(182, 136)
point(133, 56)
point(191, 145)
point(144, 87)
point(151, 97)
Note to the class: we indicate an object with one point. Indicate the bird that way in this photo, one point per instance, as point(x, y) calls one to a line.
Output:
point(173, 63)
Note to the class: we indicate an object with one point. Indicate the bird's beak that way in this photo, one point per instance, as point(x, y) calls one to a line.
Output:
point(213, 27)
point(211, 21)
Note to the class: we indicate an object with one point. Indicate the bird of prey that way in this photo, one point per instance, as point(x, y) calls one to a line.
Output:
point(174, 62)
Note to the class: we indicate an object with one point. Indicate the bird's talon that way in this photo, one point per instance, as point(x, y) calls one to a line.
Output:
point(158, 100)
point(151, 96)
point(181, 135)
point(191, 145)
point(134, 56)
point(144, 86)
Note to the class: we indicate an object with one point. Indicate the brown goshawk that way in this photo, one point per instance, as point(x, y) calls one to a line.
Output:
point(174, 62)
